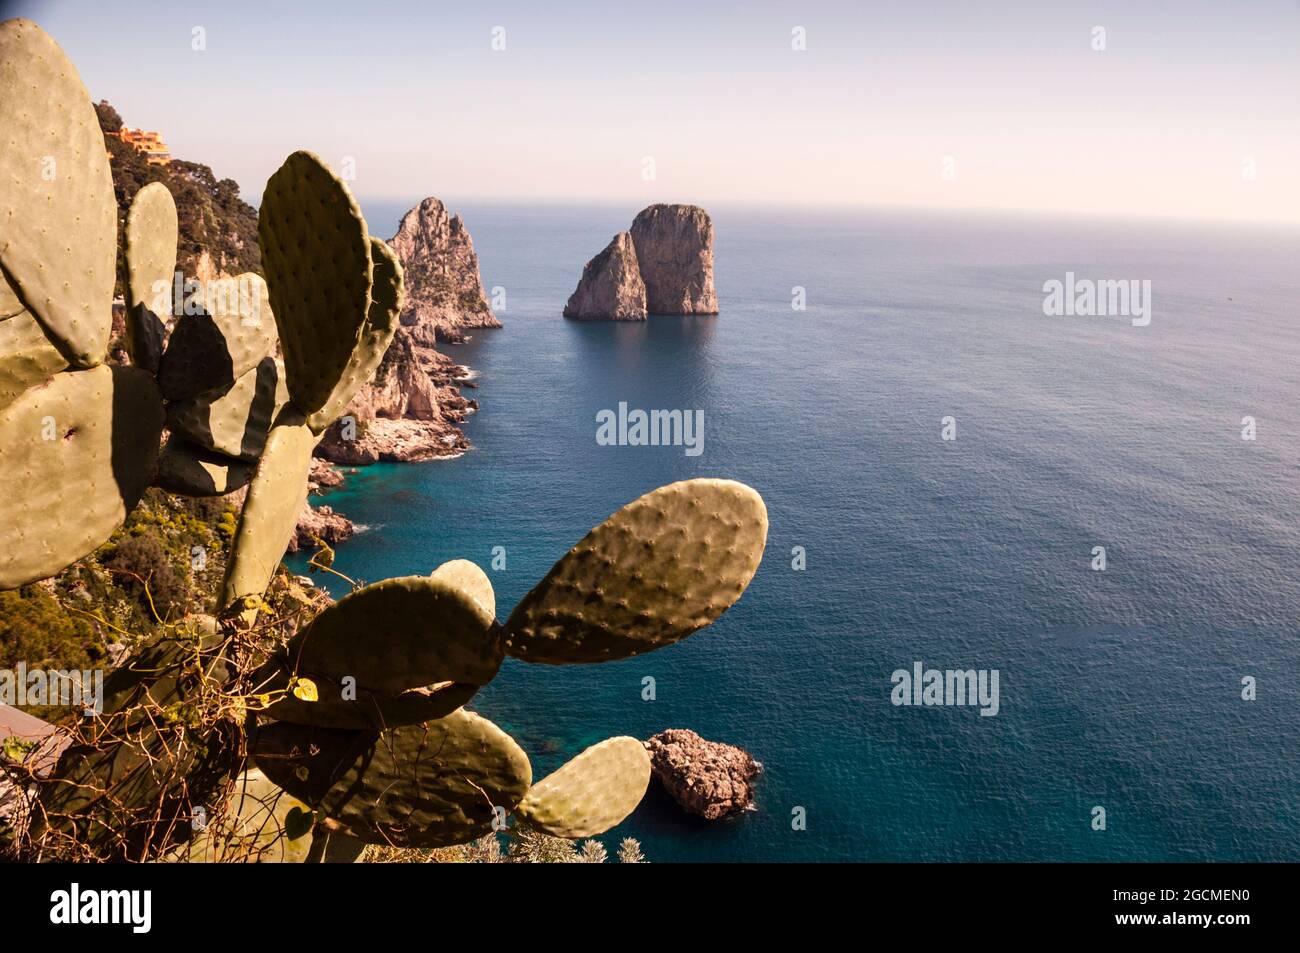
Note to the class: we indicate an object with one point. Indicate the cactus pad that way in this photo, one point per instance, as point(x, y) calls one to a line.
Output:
point(234, 422)
point(660, 568)
point(316, 256)
point(386, 297)
point(377, 710)
point(26, 356)
point(151, 236)
point(441, 783)
point(595, 791)
point(193, 471)
point(9, 303)
point(211, 349)
point(275, 500)
point(400, 634)
point(76, 452)
point(255, 827)
point(58, 213)
point(470, 578)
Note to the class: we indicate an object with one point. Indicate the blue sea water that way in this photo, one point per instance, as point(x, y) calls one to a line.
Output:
point(1120, 689)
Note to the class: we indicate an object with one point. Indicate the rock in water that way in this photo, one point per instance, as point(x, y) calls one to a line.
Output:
point(707, 778)
point(610, 288)
point(674, 247)
point(444, 293)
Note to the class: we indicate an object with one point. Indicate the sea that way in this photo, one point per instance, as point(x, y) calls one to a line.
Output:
point(947, 468)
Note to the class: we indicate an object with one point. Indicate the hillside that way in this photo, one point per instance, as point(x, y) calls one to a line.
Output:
point(218, 229)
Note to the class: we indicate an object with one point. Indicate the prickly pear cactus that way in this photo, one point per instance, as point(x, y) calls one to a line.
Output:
point(437, 784)
point(276, 496)
point(58, 215)
point(218, 343)
point(77, 451)
point(659, 569)
point(317, 255)
point(235, 421)
point(152, 232)
point(590, 794)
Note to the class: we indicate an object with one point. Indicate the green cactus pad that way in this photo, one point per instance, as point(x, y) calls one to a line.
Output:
point(469, 577)
point(76, 452)
point(58, 213)
point(234, 422)
point(275, 500)
point(400, 634)
point(9, 303)
point(26, 356)
point(255, 827)
point(377, 710)
point(595, 791)
point(151, 236)
point(232, 333)
point(432, 785)
point(387, 296)
point(193, 471)
point(660, 568)
point(316, 256)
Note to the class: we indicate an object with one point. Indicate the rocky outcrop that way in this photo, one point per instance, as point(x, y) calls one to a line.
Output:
point(674, 247)
point(610, 288)
point(444, 293)
point(320, 522)
point(410, 411)
point(662, 265)
point(707, 778)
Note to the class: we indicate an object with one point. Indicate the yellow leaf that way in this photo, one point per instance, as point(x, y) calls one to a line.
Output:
point(304, 689)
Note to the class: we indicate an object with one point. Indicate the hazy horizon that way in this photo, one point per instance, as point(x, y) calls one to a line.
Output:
point(1186, 113)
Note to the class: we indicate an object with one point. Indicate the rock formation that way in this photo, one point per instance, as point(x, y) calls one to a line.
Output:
point(663, 265)
point(707, 778)
point(444, 293)
point(320, 522)
point(411, 408)
point(611, 287)
point(674, 246)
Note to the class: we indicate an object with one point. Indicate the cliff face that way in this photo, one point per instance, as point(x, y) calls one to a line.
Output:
point(611, 287)
point(444, 293)
point(674, 246)
point(411, 409)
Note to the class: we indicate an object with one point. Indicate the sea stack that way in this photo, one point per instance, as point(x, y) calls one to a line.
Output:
point(674, 246)
point(611, 288)
point(444, 293)
point(668, 254)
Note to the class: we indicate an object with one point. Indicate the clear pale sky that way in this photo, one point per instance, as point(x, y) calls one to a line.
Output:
point(1185, 97)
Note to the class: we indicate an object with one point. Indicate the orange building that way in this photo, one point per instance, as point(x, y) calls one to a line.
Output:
point(149, 143)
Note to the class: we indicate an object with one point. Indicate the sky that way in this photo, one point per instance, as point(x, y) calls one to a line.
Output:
point(1191, 109)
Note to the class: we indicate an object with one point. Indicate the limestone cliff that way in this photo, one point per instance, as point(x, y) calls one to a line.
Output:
point(610, 287)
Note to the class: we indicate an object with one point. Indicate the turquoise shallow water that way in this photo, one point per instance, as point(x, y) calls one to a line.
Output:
point(1118, 688)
